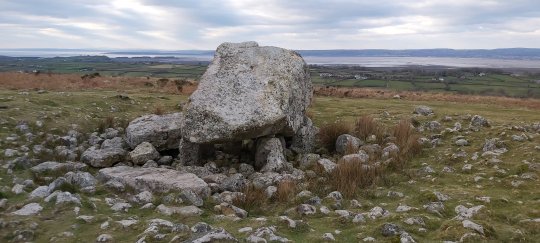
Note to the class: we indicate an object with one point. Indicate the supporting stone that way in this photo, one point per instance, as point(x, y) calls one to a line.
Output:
point(188, 152)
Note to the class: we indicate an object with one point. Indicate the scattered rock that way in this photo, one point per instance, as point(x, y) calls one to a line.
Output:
point(474, 226)
point(347, 144)
point(29, 209)
point(423, 110)
point(155, 179)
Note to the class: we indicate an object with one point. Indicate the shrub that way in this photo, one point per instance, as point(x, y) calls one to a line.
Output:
point(352, 175)
point(286, 189)
point(366, 126)
point(329, 133)
point(253, 200)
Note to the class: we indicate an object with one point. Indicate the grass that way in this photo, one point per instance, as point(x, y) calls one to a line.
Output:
point(503, 216)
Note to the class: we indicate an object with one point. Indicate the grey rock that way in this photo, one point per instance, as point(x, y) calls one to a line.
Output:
point(305, 139)
point(389, 229)
point(246, 169)
point(269, 156)
point(216, 235)
point(165, 160)
point(479, 121)
point(29, 209)
point(362, 158)
point(435, 207)
point(192, 198)
point(150, 164)
point(104, 238)
point(235, 183)
point(423, 110)
point(348, 143)
point(327, 165)
point(462, 142)
point(143, 197)
point(40, 192)
point(378, 212)
point(390, 150)
point(143, 152)
point(112, 143)
point(306, 209)
point(433, 126)
point(103, 157)
point(188, 152)
point(155, 179)
point(229, 209)
point(80, 179)
point(162, 131)
point(187, 211)
point(472, 225)
point(110, 133)
point(308, 161)
point(467, 213)
point(248, 91)
point(52, 167)
point(201, 227)
point(63, 198)
point(328, 237)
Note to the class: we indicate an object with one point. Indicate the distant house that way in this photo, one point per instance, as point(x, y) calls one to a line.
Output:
point(441, 79)
point(361, 77)
point(537, 81)
point(482, 74)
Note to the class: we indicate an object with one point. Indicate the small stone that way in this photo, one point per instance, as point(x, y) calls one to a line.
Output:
point(306, 209)
point(389, 229)
point(474, 226)
point(104, 238)
point(328, 237)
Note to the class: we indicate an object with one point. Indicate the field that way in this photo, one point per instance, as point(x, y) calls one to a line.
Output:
point(522, 83)
point(507, 187)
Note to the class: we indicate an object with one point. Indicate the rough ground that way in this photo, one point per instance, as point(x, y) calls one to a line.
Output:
point(499, 193)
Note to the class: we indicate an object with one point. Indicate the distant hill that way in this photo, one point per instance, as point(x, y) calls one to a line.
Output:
point(505, 53)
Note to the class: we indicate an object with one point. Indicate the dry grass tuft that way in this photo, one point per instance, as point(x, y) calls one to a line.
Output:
point(425, 96)
point(407, 141)
point(159, 110)
point(107, 122)
point(286, 190)
point(352, 175)
point(329, 133)
point(253, 200)
point(366, 126)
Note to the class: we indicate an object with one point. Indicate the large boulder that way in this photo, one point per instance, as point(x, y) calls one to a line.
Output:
point(162, 131)
point(155, 179)
point(248, 91)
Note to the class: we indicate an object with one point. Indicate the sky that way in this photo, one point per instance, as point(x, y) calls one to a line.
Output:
point(293, 24)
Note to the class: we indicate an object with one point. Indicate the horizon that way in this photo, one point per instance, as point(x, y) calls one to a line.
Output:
point(299, 25)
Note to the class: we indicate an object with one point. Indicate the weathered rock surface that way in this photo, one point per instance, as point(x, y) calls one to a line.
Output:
point(156, 179)
point(248, 91)
point(103, 157)
point(54, 167)
point(143, 152)
point(269, 156)
point(29, 209)
point(162, 131)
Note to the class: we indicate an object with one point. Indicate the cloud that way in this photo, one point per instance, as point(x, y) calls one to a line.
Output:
point(316, 24)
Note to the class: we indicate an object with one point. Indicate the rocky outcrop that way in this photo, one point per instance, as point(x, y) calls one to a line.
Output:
point(162, 131)
point(156, 179)
point(248, 91)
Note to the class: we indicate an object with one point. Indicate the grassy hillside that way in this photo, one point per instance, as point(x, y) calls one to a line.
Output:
point(511, 184)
